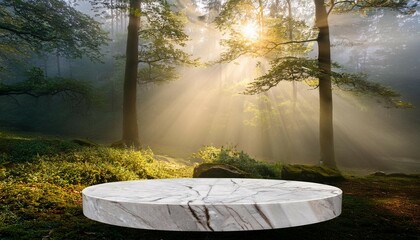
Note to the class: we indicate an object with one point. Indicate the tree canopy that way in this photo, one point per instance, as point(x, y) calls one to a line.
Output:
point(283, 38)
point(42, 26)
point(162, 36)
point(37, 85)
point(284, 42)
point(46, 25)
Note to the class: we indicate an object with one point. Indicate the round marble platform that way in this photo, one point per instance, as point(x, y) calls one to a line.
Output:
point(201, 204)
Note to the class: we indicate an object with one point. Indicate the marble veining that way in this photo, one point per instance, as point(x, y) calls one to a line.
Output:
point(222, 204)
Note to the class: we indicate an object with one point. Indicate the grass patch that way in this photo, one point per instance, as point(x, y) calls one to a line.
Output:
point(18, 149)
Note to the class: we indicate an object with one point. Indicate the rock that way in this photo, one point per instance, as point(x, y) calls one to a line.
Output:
point(217, 170)
point(379, 173)
point(310, 174)
point(404, 175)
point(400, 175)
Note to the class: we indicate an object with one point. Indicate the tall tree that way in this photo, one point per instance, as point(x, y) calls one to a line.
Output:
point(130, 129)
point(153, 51)
point(326, 130)
point(287, 55)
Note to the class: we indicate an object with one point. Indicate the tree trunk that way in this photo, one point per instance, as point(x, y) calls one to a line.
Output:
point(290, 30)
point(46, 66)
point(112, 20)
point(70, 68)
point(326, 131)
point(58, 63)
point(260, 18)
point(130, 129)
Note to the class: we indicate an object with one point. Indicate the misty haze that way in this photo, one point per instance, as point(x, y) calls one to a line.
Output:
point(205, 105)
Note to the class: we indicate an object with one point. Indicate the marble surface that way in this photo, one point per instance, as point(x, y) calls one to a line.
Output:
point(201, 204)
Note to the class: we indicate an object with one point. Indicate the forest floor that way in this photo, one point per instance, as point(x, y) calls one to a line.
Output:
point(41, 181)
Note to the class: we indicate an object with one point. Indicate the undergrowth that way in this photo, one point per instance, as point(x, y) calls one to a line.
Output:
point(41, 180)
point(239, 159)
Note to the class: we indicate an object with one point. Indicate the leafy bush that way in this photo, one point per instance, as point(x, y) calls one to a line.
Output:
point(239, 159)
point(89, 166)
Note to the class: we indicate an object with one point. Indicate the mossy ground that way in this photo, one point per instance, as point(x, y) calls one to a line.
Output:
point(41, 181)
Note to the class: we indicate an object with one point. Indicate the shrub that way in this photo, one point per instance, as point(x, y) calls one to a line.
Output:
point(90, 166)
point(239, 159)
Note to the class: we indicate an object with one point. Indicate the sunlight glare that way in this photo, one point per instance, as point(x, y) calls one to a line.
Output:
point(250, 31)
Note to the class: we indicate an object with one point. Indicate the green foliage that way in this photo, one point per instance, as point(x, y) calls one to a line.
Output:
point(88, 166)
point(286, 41)
point(284, 69)
point(42, 199)
point(23, 149)
point(308, 71)
point(277, 35)
point(29, 27)
point(358, 83)
point(161, 37)
point(159, 54)
point(36, 200)
point(46, 25)
point(41, 180)
point(38, 85)
point(239, 159)
point(366, 6)
point(235, 15)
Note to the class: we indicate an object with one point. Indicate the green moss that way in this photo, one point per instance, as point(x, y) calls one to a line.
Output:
point(218, 170)
point(310, 173)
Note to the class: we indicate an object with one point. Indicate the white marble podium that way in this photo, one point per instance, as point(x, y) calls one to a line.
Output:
point(201, 204)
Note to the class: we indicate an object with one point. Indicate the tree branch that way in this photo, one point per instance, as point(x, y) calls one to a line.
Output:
point(292, 42)
point(333, 4)
point(20, 33)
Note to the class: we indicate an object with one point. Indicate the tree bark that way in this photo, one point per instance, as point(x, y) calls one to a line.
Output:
point(130, 135)
point(326, 130)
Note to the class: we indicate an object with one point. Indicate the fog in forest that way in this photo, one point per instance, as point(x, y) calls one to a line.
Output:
point(205, 105)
